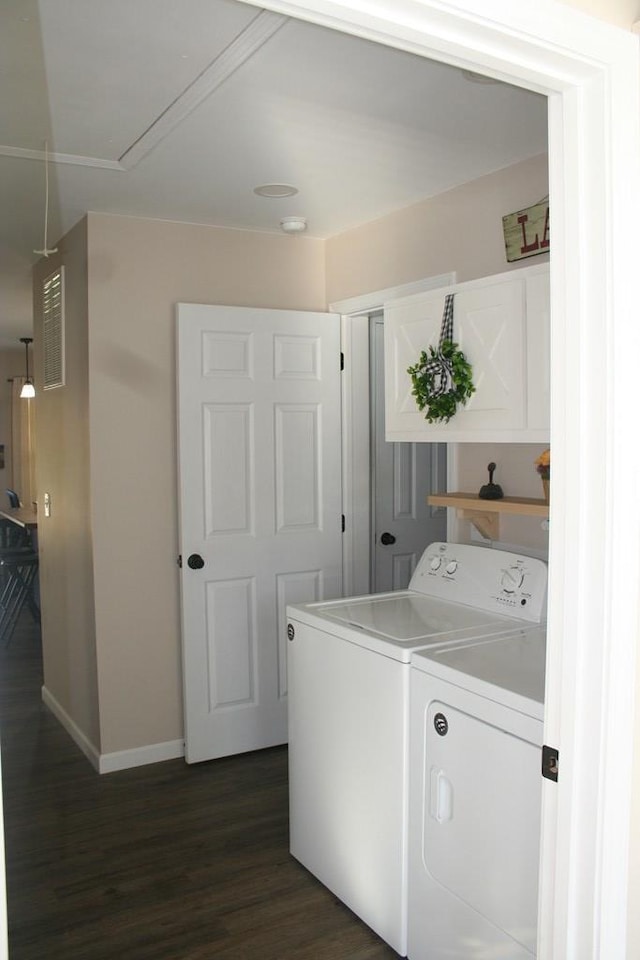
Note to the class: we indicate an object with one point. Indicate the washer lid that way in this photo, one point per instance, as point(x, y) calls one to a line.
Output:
point(396, 624)
point(509, 668)
point(411, 616)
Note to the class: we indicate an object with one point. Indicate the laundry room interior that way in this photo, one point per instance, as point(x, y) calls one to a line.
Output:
point(128, 372)
point(290, 491)
point(96, 680)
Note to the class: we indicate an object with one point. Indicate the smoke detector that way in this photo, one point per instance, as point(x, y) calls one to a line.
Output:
point(294, 224)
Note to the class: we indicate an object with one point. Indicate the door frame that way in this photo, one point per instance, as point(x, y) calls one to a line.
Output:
point(356, 451)
point(590, 71)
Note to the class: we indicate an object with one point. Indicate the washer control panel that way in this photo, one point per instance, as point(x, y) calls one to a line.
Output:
point(493, 580)
point(512, 579)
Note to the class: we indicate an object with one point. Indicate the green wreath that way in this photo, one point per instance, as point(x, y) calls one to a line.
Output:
point(426, 377)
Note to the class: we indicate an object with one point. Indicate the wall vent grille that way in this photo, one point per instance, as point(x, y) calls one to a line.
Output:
point(53, 329)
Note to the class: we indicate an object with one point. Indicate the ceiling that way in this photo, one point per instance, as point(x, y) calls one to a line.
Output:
point(177, 110)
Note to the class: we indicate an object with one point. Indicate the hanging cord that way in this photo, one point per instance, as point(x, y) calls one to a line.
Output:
point(442, 378)
point(45, 251)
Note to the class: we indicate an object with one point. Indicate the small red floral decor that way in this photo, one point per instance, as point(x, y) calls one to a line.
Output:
point(543, 466)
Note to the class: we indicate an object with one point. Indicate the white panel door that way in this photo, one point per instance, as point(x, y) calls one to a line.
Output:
point(260, 506)
point(403, 476)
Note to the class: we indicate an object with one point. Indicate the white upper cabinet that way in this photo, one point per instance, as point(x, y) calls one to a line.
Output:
point(502, 325)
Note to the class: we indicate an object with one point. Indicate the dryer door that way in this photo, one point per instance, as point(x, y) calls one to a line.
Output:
point(481, 811)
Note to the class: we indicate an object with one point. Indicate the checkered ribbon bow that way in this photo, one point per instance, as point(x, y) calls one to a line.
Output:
point(439, 368)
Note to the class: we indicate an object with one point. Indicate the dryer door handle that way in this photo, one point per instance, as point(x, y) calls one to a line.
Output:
point(441, 805)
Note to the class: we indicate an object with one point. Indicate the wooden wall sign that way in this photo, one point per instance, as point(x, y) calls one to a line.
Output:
point(526, 233)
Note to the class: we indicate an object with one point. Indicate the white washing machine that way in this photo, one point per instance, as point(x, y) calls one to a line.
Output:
point(474, 801)
point(348, 691)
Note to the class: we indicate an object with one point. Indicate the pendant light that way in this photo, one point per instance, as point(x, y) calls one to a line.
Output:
point(28, 390)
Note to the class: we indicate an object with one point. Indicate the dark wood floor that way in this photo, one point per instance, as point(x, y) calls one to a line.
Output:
point(165, 862)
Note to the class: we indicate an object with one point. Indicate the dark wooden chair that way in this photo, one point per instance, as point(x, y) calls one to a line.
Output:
point(14, 499)
point(18, 572)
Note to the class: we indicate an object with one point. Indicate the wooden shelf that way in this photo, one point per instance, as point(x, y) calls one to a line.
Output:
point(485, 514)
point(471, 501)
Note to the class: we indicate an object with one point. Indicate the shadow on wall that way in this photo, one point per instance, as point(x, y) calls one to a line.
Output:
point(131, 371)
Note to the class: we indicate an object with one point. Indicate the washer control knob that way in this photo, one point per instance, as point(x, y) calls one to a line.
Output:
point(452, 566)
point(511, 579)
point(435, 563)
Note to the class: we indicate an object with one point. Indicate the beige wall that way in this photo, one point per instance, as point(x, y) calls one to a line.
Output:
point(460, 230)
point(138, 271)
point(62, 470)
point(516, 474)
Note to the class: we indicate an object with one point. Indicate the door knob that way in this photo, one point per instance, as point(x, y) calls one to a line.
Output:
point(195, 562)
point(387, 539)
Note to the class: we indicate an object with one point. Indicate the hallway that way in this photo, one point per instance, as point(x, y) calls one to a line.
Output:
point(163, 862)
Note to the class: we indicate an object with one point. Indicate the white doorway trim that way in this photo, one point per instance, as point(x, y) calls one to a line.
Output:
point(356, 452)
point(370, 302)
point(591, 73)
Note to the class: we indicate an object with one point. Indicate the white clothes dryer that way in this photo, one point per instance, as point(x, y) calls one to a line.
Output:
point(348, 691)
point(475, 794)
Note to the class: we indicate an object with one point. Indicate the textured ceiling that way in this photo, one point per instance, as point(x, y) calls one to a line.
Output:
point(178, 110)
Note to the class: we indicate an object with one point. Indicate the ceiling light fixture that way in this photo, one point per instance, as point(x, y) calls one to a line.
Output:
point(294, 224)
point(275, 191)
point(28, 390)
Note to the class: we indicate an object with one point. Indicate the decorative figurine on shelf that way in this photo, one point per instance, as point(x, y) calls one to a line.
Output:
point(491, 490)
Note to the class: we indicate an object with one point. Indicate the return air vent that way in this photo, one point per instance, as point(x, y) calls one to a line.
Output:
point(53, 329)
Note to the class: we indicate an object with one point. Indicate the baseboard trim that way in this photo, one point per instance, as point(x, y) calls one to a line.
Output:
point(139, 756)
point(72, 728)
point(119, 760)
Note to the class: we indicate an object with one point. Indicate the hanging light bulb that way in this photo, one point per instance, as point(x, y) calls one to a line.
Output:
point(28, 390)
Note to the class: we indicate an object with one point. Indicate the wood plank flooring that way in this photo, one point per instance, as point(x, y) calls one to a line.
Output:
point(164, 862)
